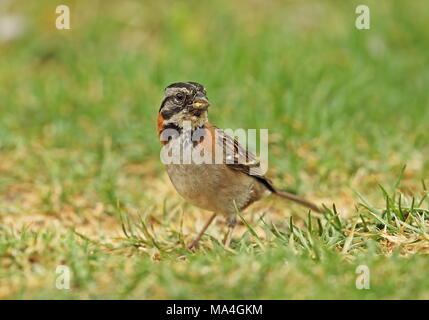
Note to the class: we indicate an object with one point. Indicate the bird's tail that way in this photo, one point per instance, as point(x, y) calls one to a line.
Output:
point(289, 196)
point(297, 199)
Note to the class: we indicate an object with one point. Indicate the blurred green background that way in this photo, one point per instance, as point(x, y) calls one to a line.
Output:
point(345, 108)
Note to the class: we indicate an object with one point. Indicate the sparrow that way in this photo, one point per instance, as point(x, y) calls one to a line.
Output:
point(230, 180)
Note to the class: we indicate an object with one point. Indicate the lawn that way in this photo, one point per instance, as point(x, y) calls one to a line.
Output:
point(82, 185)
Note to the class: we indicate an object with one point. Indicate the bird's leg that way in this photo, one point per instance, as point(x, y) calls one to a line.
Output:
point(231, 222)
point(194, 242)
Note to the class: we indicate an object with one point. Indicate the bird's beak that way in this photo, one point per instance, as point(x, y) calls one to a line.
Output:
point(200, 102)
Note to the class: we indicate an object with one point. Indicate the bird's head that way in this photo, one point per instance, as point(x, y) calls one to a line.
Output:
point(184, 101)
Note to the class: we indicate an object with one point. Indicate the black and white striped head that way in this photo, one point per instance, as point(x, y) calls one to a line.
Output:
point(184, 101)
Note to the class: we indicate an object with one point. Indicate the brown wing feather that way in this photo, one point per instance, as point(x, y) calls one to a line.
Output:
point(243, 160)
point(238, 157)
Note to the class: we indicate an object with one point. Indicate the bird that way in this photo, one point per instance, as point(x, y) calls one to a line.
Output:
point(230, 180)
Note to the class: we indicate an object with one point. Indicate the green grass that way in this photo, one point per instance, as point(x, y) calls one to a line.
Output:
point(81, 183)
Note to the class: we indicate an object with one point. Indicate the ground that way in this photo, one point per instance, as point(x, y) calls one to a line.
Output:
point(81, 183)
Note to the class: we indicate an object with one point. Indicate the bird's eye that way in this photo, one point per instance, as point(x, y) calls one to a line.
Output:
point(180, 96)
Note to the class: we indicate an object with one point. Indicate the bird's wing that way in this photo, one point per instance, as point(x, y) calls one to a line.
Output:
point(236, 156)
point(239, 158)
